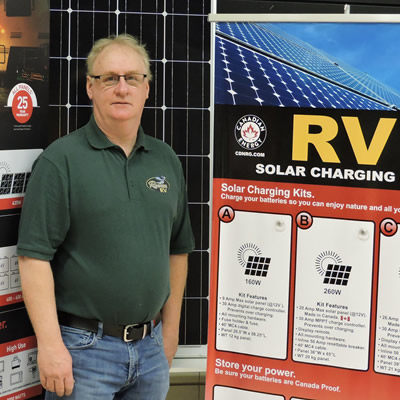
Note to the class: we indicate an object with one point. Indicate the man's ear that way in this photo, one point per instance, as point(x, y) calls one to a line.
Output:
point(89, 85)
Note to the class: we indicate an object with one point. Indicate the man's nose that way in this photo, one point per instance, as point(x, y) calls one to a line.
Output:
point(122, 85)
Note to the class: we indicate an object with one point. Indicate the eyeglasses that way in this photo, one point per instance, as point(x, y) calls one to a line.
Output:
point(133, 79)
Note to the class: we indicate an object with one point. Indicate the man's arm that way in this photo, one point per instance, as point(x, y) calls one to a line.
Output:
point(55, 362)
point(171, 311)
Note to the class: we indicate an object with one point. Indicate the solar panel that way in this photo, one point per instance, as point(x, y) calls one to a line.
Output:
point(177, 36)
point(18, 184)
point(337, 274)
point(259, 64)
point(6, 183)
point(257, 266)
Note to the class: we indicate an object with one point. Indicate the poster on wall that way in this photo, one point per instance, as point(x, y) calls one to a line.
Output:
point(305, 270)
point(19, 373)
point(15, 166)
point(24, 62)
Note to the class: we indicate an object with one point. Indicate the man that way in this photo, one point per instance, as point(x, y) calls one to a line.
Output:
point(103, 243)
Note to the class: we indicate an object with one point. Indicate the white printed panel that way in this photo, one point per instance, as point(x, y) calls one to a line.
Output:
point(253, 284)
point(9, 275)
point(4, 264)
point(4, 283)
point(15, 166)
point(15, 281)
point(334, 262)
point(19, 371)
point(387, 338)
point(14, 263)
point(227, 393)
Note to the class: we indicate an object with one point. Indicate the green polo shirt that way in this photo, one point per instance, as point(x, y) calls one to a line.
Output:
point(107, 223)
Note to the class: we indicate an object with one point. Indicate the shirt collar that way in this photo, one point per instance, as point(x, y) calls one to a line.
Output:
point(99, 140)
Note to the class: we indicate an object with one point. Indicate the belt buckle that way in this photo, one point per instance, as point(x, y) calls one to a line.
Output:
point(126, 333)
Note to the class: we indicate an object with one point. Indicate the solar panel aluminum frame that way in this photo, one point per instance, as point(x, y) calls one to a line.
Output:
point(307, 6)
point(342, 18)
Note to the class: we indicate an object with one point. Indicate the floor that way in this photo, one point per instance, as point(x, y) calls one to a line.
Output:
point(187, 379)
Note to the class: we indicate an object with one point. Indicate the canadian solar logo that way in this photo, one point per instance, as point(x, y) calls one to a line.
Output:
point(250, 132)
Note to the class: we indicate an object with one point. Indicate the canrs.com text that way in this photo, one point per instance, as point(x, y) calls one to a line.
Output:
point(249, 154)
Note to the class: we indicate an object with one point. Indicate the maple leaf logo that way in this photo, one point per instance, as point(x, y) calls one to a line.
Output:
point(250, 133)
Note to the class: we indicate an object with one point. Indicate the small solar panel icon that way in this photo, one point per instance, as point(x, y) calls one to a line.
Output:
point(6, 183)
point(28, 175)
point(257, 266)
point(337, 274)
point(18, 184)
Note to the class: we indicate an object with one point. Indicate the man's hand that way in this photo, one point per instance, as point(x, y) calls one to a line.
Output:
point(171, 311)
point(55, 362)
point(171, 340)
point(55, 368)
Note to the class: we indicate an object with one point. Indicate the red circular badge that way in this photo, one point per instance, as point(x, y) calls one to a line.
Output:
point(22, 106)
point(226, 214)
point(388, 227)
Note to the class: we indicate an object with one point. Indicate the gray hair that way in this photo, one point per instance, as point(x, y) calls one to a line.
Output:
point(121, 40)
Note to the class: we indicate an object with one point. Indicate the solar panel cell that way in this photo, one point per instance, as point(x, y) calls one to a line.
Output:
point(269, 67)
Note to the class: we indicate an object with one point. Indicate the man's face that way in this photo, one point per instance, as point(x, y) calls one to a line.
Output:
point(121, 102)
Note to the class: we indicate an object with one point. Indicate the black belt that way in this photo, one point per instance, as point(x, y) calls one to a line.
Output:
point(127, 333)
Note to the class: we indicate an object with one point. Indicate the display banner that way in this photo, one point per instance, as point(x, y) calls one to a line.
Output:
point(305, 267)
point(24, 84)
point(18, 357)
point(24, 62)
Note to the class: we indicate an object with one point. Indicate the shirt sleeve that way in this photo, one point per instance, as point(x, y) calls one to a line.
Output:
point(182, 239)
point(45, 216)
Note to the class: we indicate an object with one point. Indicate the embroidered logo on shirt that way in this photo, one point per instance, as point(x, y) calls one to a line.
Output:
point(158, 183)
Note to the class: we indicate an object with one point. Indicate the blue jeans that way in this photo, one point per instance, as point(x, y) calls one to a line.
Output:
point(107, 368)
